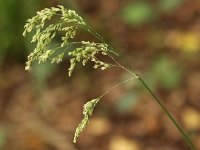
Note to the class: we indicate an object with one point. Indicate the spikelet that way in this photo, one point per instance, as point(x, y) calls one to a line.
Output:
point(87, 112)
point(86, 52)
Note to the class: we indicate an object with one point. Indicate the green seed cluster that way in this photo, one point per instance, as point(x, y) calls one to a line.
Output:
point(67, 21)
point(86, 52)
point(87, 112)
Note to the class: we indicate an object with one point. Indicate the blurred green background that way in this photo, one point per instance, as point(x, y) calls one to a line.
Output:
point(39, 110)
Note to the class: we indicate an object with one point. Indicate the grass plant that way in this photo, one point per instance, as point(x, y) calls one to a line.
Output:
point(52, 22)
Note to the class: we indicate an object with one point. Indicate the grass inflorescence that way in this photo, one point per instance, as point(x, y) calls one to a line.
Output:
point(51, 21)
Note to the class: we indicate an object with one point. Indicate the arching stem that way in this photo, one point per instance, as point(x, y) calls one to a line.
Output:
point(159, 102)
point(184, 135)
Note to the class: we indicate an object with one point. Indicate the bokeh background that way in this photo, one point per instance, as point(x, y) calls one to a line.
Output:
point(39, 110)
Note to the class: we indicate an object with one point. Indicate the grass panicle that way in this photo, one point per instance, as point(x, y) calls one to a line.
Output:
point(57, 20)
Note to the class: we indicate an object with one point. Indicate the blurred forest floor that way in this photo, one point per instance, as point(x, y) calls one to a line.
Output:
point(39, 110)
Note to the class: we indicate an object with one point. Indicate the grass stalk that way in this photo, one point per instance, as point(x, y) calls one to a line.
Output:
point(170, 116)
point(159, 102)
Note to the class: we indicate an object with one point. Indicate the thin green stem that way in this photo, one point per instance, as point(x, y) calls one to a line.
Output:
point(117, 85)
point(113, 50)
point(121, 66)
point(130, 70)
point(181, 130)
